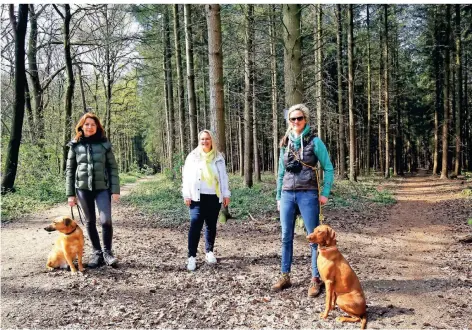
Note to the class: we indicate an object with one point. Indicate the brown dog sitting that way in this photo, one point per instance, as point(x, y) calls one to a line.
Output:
point(69, 245)
point(342, 285)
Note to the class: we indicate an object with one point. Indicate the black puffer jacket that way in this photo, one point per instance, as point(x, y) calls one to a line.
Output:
point(91, 165)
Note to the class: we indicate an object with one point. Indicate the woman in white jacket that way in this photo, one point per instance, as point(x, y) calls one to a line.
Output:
point(205, 186)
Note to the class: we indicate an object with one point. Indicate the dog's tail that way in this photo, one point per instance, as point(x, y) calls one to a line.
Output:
point(364, 321)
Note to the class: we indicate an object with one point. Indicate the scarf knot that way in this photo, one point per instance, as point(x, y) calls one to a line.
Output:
point(297, 141)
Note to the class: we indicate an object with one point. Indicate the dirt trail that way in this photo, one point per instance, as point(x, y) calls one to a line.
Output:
point(414, 273)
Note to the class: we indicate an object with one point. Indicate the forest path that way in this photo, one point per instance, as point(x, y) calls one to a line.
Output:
point(413, 271)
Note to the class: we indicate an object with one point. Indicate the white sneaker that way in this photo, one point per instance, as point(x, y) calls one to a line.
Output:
point(191, 263)
point(210, 258)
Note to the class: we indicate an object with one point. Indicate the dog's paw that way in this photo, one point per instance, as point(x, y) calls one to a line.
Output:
point(323, 315)
point(342, 319)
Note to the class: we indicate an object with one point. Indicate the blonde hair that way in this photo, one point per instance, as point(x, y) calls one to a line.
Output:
point(297, 107)
point(212, 136)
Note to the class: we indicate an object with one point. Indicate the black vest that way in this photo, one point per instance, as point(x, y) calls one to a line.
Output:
point(306, 178)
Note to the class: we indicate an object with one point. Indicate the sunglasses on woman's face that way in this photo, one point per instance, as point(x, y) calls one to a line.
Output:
point(294, 119)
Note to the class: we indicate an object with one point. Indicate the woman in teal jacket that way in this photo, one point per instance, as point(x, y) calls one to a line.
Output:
point(92, 177)
point(297, 187)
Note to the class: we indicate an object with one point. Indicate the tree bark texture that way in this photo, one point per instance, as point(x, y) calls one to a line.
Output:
point(11, 162)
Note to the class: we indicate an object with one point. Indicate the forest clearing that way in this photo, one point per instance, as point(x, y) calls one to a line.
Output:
point(377, 96)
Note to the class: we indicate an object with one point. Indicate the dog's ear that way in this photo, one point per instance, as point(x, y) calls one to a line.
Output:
point(67, 221)
point(330, 236)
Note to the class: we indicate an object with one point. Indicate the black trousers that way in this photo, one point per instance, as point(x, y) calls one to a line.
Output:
point(87, 200)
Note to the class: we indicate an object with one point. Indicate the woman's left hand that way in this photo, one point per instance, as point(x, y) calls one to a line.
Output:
point(225, 201)
point(115, 197)
point(323, 200)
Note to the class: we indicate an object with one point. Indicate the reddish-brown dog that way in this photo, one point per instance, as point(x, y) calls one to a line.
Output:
point(342, 285)
point(70, 244)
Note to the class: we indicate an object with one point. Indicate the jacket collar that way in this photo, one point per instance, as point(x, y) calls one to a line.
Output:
point(196, 154)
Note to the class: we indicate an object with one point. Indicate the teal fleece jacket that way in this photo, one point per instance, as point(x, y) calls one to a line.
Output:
point(323, 157)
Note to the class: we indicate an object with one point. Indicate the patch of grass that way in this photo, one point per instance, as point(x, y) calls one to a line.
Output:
point(130, 177)
point(355, 194)
point(258, 200)
point(33, 194)
point(467, 192)
point(162, 198)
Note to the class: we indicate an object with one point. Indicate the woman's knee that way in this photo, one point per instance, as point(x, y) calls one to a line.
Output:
point(105, 220)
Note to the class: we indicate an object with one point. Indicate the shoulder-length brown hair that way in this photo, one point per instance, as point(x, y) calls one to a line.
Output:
point(78, 128)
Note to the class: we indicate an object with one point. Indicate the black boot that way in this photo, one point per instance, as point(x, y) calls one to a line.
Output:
point(109, 258)
point(96, 259)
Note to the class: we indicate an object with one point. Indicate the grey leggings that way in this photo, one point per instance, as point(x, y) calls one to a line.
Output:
point(87, 201)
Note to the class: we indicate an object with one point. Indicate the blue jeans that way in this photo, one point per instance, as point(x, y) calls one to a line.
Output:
point(205, 211)
point(307, 201)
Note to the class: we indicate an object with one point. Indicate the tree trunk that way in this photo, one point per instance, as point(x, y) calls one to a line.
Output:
point(82, 91)
point(230, 126)
point(108, 77)
point(379, 114)
point(319, 69)
point(257, 162)
point(292, 55)
point(180, 81)
point(468, 114)
point(217, 110)
point(457, 164)
point(36, 89)
point(398, 170)
point(437, 103)
point(369, 98)
point(192, 106)
point(352, 123)
point(169, 89)
point(241, 145)
point(70, 86)
point(215, 54)
point(273, 68)
point(11, 162)
point(444, 173)
point(387, 151)
point(29, 112)
point(248, 79)
point(341, 138)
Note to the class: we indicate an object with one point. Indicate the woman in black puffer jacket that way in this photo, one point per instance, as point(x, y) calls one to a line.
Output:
point(92, 177)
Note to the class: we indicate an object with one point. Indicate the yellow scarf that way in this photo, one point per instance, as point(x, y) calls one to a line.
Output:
point(208, 173)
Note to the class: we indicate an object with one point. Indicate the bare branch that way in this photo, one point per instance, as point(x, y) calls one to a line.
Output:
point(58, 11)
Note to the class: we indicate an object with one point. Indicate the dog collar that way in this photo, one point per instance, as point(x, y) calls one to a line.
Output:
point(327, 248)
point(72, 231)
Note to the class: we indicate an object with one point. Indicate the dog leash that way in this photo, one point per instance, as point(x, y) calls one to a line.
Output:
point(321, 216)
point(79, 211)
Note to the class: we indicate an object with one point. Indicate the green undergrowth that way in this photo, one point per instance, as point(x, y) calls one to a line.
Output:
point(130, 177)
point(161, 197)
point(356, 194)
point(32, 194)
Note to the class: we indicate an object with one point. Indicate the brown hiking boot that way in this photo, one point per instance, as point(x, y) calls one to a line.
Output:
point(315, 287)
point(282, 283)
